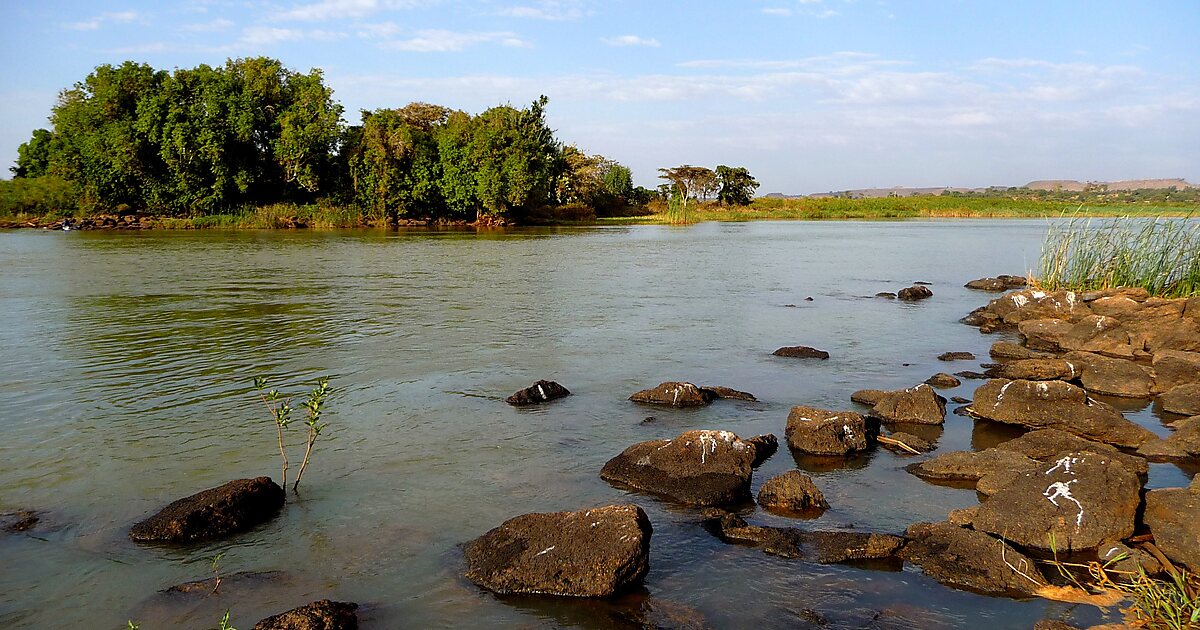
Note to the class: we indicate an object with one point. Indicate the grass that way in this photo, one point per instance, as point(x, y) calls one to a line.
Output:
point(1159, 255)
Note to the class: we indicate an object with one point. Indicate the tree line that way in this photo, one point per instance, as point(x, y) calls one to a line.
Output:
point(206, 140)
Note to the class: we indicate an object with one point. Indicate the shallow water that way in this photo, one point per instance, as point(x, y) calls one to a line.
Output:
point(125, 383)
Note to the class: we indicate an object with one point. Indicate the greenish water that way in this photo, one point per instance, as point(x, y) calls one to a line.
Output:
point(125, 382)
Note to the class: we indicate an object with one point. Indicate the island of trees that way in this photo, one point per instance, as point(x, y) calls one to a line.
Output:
point(253, 133)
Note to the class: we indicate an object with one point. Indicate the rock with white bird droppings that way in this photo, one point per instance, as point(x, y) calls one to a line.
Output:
point(1056, 405)
point(827, 432)
point(675, 394)
point(539, 392)
point(696, 468)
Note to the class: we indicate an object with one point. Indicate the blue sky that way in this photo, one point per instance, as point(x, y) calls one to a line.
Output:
point(810, 95)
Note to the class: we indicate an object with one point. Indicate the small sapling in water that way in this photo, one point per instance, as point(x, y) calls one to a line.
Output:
point(316, 398)
point(281, 413)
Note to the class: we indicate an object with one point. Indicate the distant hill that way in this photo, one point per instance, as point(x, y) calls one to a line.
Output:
point(1125, 184)
point(1066, 185)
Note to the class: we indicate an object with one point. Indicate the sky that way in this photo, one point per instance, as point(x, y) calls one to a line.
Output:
point(810, 95)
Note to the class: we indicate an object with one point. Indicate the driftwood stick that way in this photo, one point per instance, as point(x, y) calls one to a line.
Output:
point(895, 442)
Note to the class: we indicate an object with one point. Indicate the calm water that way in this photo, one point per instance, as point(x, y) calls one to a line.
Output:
point(126, 363)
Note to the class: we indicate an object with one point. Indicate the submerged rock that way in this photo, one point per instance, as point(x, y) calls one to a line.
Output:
point(999, 283)
point(823, 547)
point(675, 394)
point(971, 374)
point(589, 553)
point(970, 560)
point(916, 405)
point(1076, 502)
point(914, 293)
point(539, 392)
point(826, 432)
point(792, 491)
point(1173, 516)
point(19, 521)
point(943, 380)
point(319, 615)
point(911, 441)
point(801, 352)
point(956, 356)
point(728, 393)
point(213, 513)
point(1056, 405)
point(696, 468)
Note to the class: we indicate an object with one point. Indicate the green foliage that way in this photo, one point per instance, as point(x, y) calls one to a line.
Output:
point(33, 157)
point(316, 399)
point(224, 623)
point(1160, 255)
point(280, 409)
point(736, 185)
point(677, 210)
point(47, 195)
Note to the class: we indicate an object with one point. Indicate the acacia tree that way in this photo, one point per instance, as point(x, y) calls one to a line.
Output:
point(689, 180)
point(736, 185)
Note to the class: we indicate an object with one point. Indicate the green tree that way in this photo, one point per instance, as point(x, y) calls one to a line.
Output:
point(736, 185)
point(395, 168)
point(516, 160)
point(689, 181)
point(309, 129)
point(33, 157)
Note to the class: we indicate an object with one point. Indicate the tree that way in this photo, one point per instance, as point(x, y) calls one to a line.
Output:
point(736, 185)
point(309, 129)
point(688, 180)
point(33, 157)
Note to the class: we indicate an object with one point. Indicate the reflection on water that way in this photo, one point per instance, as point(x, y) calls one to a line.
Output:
point(126, 383)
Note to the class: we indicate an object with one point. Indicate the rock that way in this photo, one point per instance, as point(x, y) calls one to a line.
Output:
point(970, 560)
point(237, 580)
point(1056, 405)
point(801, 352)
point(956, 356)
point(1173, 368)
point(1112, 377)
point(1133, 560)
point(867, 396)
point(1053, 624)
point(1182, 399)
point(728, 393)
point(1035, 370)
point(960, 400)
point(943, 380)
point(792, 491)
point(19, 521)
point(887, 295)
point(1045, 334)
point(1010, 350)
point(539, 392)
point(1183, 443)
point(962, 517)
point(997, 284)
point(917, 405)
point(213, 513)
point(970, 374)
point(970, 465)
point(589, 553)
point(838, 547)
point(1173, 516)
point(1030, 304)
point(1045, 444)
point(914, 293)
point(696, 468)
point(675, 394)
point(1078, 501)
point(824, 432)
point(764, 447)
point(319, 615)
point(910, 440)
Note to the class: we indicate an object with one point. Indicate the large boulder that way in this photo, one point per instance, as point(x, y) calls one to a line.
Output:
point(1183, 443)
point(1047, 335)
point(999, 283)
point(826, 432)
point(1173, 516)
point(801, 352)
point(213, 513)
point(1073, 503)
point(915, 405)
point(1182, 399)
point(1035, 370)
point(589, 553)
point(696, 468)
point(970, 560)
point(914, 293)
point(319, 615)
point(539, 392)
point(1045, 444)
point(1174, 367)
point(1056, 405)
point(1019, 306)
point(1112, 377)
point(675, 394)
point(792, 491)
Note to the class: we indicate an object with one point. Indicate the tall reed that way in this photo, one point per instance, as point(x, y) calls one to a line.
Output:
point(1159, 255)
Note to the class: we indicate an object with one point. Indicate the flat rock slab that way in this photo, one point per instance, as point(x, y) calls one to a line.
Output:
point(823, 547)
point(1010, 350)
point(1056, 405)
point(801, 352)
point(319, 615)
point(914, 442)
point(915, 405)
point(970, 560)
point(1182, 399)
point(539, 392)
point(213, 513)
point(1112, 377)
point(971, 466)
point(998, 284)
point(696, 468)
point(1173, 516)
point(1045, 444)
point(868, 397)
point(792, 491)
point(1046, 335)
point(956, 356)
point(728, 393)
point(675, 394)
point(1175, 367)
point(1076, 502)
point(589, 553)
point(1182, 444)
point(1035, 370)
point(827, 432)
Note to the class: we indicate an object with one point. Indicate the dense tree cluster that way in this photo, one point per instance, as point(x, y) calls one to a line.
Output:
point(731, 185)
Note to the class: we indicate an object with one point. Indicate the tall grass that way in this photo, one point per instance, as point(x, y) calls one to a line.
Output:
point(1159, 255)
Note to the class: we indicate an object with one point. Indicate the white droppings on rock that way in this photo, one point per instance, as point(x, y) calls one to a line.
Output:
point(848, 431)
point(644, 461)
point(542, 392)
point(1037, 295)
point(1060, 490)
point(1071, 298)
point(1003, 388)
point(676, 398)
point(1042, 388)
point(546, 550)
point(1065, 463)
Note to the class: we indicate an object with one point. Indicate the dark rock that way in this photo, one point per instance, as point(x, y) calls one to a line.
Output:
point(696, 468)
point(1112, 377)
point(1056, 405)
point(989, 366)
point(231, 581)
point(764, 447)
point(319, 615)
point(1053, 624)
point(1035, 370)
point(964, 411)
point(916, 405)
point(962, 517)
point(1173, 368)
point(539, 392)
point(910, 440)
point(838, 547)
point(19, 521)
point(801, 352)
point(1134, 559)
point(825, 432)
point(914, 293)
point(1010, 350)
point(728, 393)
point(792, 491)
point(971, 466)
point(886, 295)
point(922, 283)
point(1182, 399)
point(943, 380)
point(1045, 444)
point(956, 356)
point(997, 284)
point(970, 374)
point(648, 420)
point(213, 513)
point(675, 394)
point(867, 397)
point(1076, 502)
point(589, 553)
point(1173, 516)
point(1047, 335)
point(970, 560)
point(808, 299)
point(960, 400)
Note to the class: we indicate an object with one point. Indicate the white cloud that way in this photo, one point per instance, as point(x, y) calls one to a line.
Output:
point(94, 23)
point(554, 10)
point(631, 40)
point(325, 10)
point(379, 30)
point(267, 35)
point(441, 40)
